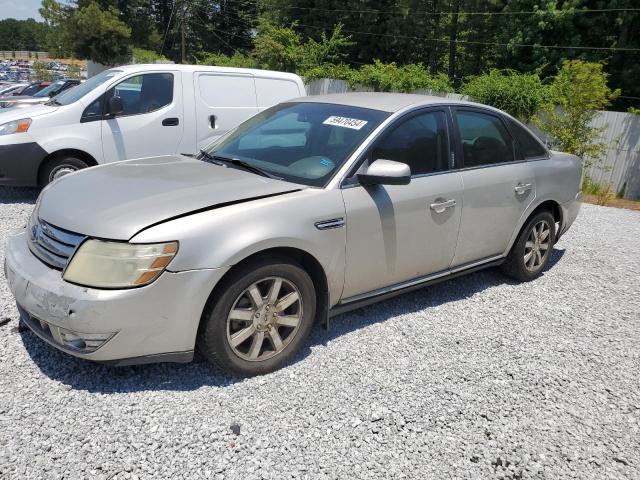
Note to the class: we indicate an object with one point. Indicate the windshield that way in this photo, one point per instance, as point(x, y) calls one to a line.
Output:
point(76, 93)
point(54, 87)
point(300, 142)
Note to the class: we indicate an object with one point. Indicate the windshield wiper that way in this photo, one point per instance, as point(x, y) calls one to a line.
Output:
point(218, 159)
point(53, 102)
point(209, 158)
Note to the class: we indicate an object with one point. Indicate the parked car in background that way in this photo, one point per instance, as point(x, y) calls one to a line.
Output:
point(43, 96)
point(30, 89)
point(11, 87)
point(134, 111)
point(240, 250)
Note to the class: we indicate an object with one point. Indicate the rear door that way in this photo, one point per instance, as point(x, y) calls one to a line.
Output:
point(498, 186)
point(152, 121)
point(223, 101)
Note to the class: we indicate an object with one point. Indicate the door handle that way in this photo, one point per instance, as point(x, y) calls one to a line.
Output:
point(170, 122)
point(522, 188)
point(441, 206)
point(212, 121)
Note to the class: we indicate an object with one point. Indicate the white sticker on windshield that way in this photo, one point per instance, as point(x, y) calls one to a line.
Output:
point(345, 122)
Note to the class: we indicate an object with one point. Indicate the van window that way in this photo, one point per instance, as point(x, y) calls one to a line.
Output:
point(485, 139)
point(271, 91)
point(144, 93)
point(227, 90)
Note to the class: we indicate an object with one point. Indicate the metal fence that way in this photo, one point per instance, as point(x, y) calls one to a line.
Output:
point(23, 55)
point(619, 167)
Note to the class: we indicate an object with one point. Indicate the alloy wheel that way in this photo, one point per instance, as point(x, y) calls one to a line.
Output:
point(537, 246)
point(264, 319)
point(61, 171)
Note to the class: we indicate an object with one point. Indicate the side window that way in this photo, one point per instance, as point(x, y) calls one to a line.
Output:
point(144, 93)
point(421, 142)
point(93, 111)
point(529, 146)
point(485, 139)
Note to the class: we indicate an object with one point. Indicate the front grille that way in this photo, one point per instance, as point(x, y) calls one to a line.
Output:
point(52, 245)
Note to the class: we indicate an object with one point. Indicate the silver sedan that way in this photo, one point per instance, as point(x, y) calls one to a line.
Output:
point(311, 208)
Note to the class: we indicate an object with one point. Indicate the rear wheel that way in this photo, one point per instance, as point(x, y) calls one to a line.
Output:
point(58, 167)
point(259, 319)
point(532, 249)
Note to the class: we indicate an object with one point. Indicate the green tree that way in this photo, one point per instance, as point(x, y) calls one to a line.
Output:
point(99, 35)
point(577, 92)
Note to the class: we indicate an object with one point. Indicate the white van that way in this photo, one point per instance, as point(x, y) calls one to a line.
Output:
point(134, 111)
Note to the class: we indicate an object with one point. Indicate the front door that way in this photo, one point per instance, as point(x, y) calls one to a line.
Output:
point(152, 121)
point(396, 233)
point(498, 188)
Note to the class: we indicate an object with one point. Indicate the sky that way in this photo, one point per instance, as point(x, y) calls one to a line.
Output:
point(20, 9)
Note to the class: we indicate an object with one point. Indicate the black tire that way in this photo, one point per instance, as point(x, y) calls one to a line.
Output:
point(514, 265)
point(213, 340)
point(54, 166)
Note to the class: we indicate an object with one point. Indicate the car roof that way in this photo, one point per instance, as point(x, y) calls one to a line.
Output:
point(386, 102)
point(204, 68)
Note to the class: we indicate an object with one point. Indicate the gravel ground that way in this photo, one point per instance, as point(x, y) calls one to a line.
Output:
point(477, 377)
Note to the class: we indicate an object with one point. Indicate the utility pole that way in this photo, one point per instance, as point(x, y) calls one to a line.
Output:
point(183, 47)
point(453, 39)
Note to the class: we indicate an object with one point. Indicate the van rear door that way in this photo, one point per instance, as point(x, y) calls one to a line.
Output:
point(223, 101)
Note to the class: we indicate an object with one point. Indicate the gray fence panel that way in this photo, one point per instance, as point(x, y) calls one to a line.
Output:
point(619, 167)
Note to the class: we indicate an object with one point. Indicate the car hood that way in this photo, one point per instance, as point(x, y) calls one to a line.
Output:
point(117, 200)
point(28, 111)
point(9, 102)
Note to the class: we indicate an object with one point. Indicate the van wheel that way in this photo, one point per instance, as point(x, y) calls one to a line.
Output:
point(58, 167)
point(259, 318)
point(532, 249)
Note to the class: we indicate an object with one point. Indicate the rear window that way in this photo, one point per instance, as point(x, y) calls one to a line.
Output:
point(529, 146)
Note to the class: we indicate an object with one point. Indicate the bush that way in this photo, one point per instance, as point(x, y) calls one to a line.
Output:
point(237, 60)
point(41, 72)
point(388, 77)
point(140, 55)
point(339, 72)
point(519, 94)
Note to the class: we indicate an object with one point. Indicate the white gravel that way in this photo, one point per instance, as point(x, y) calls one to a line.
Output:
point(477, 378)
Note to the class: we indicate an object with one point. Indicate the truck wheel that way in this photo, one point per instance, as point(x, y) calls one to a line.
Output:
point(259, 318)
point(58, 167)
point(532, 249)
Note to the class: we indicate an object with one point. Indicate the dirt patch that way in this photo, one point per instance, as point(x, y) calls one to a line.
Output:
point(614, 202)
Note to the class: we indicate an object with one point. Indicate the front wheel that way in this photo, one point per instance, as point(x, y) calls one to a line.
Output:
point(58, 167)
point(259, 318)
point(532, 249)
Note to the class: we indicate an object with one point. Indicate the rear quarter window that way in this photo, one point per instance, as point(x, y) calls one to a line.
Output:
point(529, 146)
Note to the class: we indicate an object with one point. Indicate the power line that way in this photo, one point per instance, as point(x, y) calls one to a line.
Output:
point(412, 13)
point(472, 42)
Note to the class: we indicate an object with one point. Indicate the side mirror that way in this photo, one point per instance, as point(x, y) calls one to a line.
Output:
point(115, 106)
point(386, 172)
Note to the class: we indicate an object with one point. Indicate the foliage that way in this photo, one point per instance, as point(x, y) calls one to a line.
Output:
point(140, 55)
point(282, 48)
point(577, 92)
point(99, 35)
point(519, 94)
point(603, 193)
point(73, 71)
point(22, 34)
point(329, 70)
point(41, 72)
point(635, 111)
point(385, 77)
point(237, 60)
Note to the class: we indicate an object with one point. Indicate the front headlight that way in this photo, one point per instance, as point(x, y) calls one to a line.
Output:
point(103, 264)
point(15, 126)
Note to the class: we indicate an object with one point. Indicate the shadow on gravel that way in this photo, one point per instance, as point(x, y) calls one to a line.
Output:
point(18, 195)
point(93, 377)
